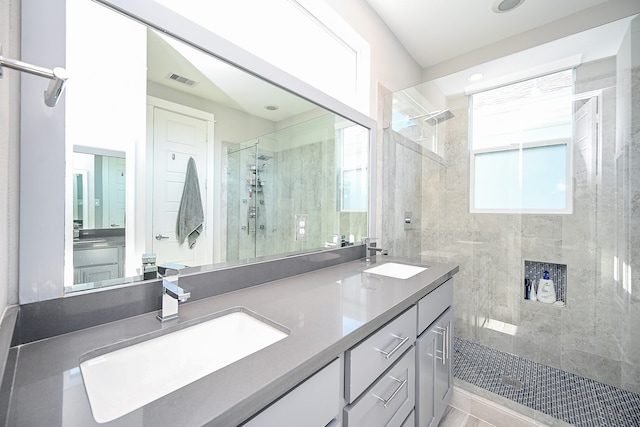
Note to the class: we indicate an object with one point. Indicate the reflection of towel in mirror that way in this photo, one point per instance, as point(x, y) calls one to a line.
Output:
point(190, 215)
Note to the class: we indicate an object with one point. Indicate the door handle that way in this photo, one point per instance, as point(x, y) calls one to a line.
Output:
point(386, 402)
point(388, 354)
point(160, 237)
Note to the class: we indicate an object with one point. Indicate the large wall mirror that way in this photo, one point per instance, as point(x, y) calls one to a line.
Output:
point(196, 161)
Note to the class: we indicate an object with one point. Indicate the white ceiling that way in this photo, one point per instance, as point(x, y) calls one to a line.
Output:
point(452, 39)
point(218, 81)
point(434, 31)
point(586, 46)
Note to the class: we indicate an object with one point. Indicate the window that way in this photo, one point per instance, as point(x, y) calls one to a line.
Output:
point(325, 51)
point(521, 146)
point(353, 176)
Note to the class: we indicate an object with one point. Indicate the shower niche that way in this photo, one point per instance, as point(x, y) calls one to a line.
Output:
point(545, 283)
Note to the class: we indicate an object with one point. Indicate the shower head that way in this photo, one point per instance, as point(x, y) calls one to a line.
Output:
point(438, 117)
point(264, 157)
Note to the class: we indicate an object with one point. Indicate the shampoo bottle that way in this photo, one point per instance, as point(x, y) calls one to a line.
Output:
point(546, 289)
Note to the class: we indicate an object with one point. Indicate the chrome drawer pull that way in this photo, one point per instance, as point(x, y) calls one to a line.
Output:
point(388, 401)
point(390, 353)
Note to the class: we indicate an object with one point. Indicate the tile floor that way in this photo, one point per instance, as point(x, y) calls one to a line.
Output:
point(557, 396)
point(469, 410)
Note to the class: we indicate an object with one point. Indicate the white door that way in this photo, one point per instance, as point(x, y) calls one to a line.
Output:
point(114, 193)
point(176, 138)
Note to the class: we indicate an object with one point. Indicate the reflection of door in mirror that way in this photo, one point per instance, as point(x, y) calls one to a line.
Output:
point(114, 192)
point(80, 197)
point(176, 139)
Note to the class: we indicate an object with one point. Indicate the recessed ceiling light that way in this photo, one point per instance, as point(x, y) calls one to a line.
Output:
point(271, 107)
point(475, 77)
point(501, 6)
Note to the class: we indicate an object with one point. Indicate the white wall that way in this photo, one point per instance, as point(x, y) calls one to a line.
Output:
point(9, 154)
point(42, 155)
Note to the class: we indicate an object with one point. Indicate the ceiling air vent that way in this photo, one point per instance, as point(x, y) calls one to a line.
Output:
point(178, 78)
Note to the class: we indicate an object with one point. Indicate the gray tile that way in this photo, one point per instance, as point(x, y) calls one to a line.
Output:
point(567, 397)
point(475, 422)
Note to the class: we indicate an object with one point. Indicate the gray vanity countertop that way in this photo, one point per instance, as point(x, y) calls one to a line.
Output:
point(328, 311)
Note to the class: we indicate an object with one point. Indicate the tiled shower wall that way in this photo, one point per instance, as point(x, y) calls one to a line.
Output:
point(400, 183)
point(594, 334)
point(301, 179)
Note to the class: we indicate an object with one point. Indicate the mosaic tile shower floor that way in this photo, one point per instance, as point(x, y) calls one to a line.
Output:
point(562, 395)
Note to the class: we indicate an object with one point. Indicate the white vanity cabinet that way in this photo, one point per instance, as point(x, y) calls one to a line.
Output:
point(315, 402)
point(434, 356)
point(92, 265)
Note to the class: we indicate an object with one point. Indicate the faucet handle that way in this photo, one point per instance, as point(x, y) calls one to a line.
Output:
point(166, 271)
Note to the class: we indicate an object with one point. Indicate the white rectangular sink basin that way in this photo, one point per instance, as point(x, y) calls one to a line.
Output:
point(395, 270)
point(123, 380)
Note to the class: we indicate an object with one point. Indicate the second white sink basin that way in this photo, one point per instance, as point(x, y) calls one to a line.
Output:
point(120, 381)
point(395, 270)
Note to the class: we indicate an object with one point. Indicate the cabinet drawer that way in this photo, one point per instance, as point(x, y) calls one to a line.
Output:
point(366, 361)
point(389, 401)
point(95, 257)
point(315, 402)
point(431, 306)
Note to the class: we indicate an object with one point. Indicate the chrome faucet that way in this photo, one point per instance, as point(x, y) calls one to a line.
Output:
point(171, 295)
point(372, 250)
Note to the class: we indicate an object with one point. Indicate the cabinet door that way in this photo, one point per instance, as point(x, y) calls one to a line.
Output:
point(427, 358)
point(434, 376)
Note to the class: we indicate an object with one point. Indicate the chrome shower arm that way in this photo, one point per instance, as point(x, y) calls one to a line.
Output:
point(58, 77)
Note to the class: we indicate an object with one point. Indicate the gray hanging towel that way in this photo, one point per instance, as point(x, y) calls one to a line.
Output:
point(190, 215)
